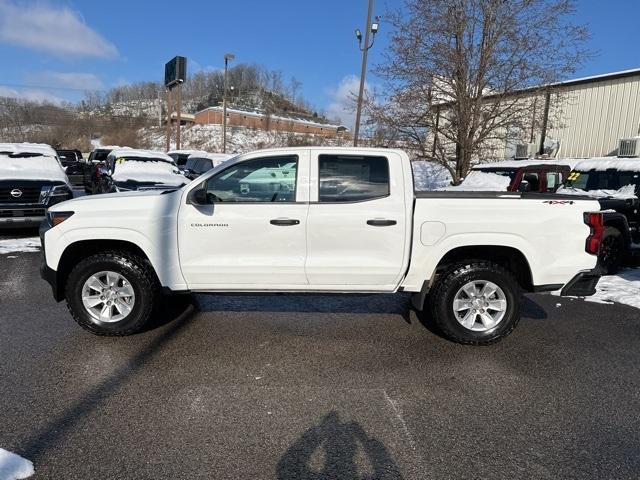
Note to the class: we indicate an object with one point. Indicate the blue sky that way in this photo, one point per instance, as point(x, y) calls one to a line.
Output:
point(79, 44)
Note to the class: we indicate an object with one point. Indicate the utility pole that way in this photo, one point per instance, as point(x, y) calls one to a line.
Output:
point(179, 115)
point(227, 57)
point(168, 120)
point(371, 28)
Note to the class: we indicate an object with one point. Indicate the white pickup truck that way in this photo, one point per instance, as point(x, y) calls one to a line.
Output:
point(320, 220)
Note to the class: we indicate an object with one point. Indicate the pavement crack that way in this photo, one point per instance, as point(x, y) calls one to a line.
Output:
point(397, 412)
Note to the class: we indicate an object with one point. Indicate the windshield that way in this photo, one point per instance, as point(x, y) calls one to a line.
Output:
point(147, 170)
point(602, 179)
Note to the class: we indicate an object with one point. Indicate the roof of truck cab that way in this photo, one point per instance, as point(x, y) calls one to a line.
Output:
point(607, 163)
point(151, 154)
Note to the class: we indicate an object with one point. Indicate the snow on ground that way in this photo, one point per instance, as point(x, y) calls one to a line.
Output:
point(14, 467)
point(428, 176)
point(12, 245)
point(621, 288)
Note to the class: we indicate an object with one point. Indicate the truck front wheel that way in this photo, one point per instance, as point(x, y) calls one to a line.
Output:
point(611, 250)
point(475, 302)
point(112, 293)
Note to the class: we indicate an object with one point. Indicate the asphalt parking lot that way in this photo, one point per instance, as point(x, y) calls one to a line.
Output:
point(316, 387)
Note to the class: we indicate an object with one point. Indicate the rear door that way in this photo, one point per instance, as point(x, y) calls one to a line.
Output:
point(357, 223)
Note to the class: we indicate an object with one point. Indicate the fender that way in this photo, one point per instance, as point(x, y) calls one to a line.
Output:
point(163, 258)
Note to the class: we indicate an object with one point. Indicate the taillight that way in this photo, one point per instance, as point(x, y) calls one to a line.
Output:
point(596, 223)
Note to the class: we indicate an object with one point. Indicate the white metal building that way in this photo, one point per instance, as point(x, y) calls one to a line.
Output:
point(588, 116)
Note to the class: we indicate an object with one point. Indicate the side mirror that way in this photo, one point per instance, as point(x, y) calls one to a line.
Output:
point(198, 196)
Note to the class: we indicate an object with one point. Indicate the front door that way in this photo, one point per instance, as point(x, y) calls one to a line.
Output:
point(252, 233)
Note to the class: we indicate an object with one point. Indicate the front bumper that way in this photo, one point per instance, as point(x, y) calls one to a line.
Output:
point(21, 217)
point(47, 273)
point(583, 284)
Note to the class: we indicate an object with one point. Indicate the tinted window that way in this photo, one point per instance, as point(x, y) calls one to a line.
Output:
point(271, 179)
point(602, 180)
point(347, 178)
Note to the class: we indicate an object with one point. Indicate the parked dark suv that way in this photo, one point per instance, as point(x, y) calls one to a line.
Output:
point(92, 169)
point(615, 182)
point(30, 182)
point(201, 162)
point(74, 166)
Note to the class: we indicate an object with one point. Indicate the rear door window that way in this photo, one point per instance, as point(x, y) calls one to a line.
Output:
point(350, 178)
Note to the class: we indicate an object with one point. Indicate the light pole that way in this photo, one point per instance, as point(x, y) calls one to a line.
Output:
point(227, 57)
point(373, 29)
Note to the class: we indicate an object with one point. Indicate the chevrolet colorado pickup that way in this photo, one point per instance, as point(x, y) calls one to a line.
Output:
point(320, 220)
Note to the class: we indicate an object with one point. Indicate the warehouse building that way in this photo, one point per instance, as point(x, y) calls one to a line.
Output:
point(579, 118)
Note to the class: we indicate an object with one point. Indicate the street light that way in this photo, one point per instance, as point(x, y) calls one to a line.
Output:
point(372, 28)
point(227, 58)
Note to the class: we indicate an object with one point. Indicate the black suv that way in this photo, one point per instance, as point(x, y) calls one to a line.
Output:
point(74, 166)
point(36, 182)
point(615, 183)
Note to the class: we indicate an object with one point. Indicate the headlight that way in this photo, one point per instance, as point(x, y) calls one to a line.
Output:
point(56, 218)
point(57, 192)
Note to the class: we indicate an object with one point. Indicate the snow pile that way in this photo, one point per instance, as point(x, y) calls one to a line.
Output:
point(148, 171)
point(478, 181)
point(11, 245)
point(428, 176)
point(31, 168)
point(605, 163)
point(628, 191)
point(14, 467)
point(621, 288)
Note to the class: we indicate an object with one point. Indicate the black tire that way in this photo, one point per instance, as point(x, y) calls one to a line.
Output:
point(138, 273)
point(611, 250)
point(441, 297)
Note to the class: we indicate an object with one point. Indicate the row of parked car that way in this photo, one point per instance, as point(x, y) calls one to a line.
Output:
point(34, 177)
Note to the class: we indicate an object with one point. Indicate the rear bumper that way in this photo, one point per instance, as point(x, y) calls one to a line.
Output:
point(583, 284)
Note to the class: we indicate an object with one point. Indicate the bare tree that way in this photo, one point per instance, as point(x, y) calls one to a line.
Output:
point(462, 75)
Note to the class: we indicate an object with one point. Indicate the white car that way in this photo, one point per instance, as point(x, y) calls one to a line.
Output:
point(128, 169)
point(318, 219)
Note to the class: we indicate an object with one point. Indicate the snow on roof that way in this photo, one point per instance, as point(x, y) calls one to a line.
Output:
point(568, 162)
point(130, 152)
point(605, 163)
point(478, 181)
point(219, 157)
point(110, 147)
point(42, 148)
point(188, 152)
point(42, 167)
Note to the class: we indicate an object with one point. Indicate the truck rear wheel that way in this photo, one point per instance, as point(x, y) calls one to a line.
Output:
point(112, 293)
point(611, 250)
point(475, 302)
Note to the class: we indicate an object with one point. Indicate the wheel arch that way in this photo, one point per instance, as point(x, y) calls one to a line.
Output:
point(82, 249)
point(509, 258)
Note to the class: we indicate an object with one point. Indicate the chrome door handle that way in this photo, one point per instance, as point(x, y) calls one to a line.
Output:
point(377, 222)
point(283, 222)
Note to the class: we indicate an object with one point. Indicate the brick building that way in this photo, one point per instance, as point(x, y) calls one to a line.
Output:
point(263, 121)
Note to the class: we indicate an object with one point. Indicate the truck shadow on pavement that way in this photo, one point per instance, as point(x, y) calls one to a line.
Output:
point(177, 315)
point(338, 451)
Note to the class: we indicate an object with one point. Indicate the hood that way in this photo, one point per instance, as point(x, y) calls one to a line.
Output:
point(32, 168)
point(112, 201)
